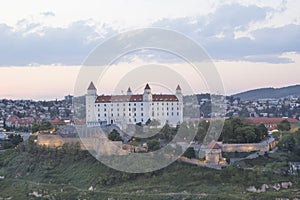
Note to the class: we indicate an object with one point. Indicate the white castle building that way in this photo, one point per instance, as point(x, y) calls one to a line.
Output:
point(133, 108)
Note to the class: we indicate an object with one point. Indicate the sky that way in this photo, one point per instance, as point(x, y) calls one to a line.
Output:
point(43, 44)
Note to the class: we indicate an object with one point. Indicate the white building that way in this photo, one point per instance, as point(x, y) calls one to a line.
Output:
point(133, 108)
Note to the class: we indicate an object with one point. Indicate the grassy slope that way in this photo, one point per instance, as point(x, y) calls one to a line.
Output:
point(68, 173)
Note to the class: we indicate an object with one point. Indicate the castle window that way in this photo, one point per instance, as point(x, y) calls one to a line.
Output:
point(98, 105)
point(141, 109)
point(167, 114)
point(105, 104)
point(129, 104)
point(112, 114)
point(124, 114)
point(162, 103)
point(129, 114)
point(117, 104)
point(177, 113)
point(129, 109)
point(142, 114)
point(118, 115)
point(134, 114)
point(167, 104)
point(104, 114)
point(177, 108)
point(112, 109)
point(134, 120)
point(142, 119)
point(104, 109)
point(172, 114)
point(134, 104)
point(172, 108)
point(141, 104)
point(98, 115)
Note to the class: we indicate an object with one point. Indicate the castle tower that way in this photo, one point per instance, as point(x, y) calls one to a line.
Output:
point(147, 96)
point(129, 92)
point(90, 98)
point(179, 93)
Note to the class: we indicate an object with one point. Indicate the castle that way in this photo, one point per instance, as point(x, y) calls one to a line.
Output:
point(133, 108)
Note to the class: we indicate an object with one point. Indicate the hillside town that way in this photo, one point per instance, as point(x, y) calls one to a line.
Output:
point(54, 120)
point(22, 114)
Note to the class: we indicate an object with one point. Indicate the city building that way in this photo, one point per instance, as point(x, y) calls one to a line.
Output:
point(1, 125)
point(133, 108)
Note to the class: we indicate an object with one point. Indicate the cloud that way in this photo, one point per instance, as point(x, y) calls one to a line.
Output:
point(217, 34)
point(48, 45)
point(48, 14)
point(34, 43)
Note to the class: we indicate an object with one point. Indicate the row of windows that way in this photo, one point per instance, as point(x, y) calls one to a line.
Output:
point(167, 108)
point(162, 114)
point(119, 104)
point(133, 109)
point(134, 104)
point(142, 114)
point(124, 115)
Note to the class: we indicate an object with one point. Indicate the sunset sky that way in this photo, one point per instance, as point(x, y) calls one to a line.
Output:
point(43, 44)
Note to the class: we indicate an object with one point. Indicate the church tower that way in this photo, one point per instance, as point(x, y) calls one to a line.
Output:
point(90, 98)
point(147, 96)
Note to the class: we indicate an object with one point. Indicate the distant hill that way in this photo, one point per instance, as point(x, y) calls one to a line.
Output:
point(269, 93)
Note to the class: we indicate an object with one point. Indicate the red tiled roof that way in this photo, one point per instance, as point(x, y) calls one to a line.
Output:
point(134, 98)
point(266, 120)
point(164, 97)
point(57, 122)
point(213, 145)
point(119, 98)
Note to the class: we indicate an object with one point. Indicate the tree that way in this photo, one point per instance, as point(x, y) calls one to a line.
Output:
point(153, 122)
point(202, 130)
point(15, 139)
point(114, 135)
point(167, 132)
point(284, 125)
point(189, 153)
point(35, 128)
point(287, 142)
point(45, 125)
point(153, 145)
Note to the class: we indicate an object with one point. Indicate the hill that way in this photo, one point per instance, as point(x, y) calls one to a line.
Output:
point(264, 93)
point(69, 173)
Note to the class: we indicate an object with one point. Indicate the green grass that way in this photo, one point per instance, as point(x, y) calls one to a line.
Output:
point(68, 173)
